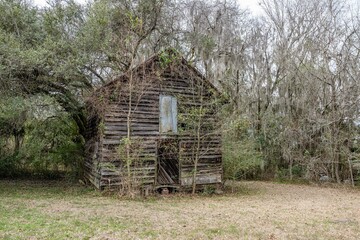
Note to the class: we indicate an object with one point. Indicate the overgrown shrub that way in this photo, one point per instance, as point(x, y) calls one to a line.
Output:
point(50, 143)
point(53, 145)
point(241, 156)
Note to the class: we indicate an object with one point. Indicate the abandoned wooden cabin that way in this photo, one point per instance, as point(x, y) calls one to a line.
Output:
point(155, 126)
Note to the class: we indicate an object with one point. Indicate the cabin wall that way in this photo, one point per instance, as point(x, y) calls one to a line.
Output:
point(191, 94)
point(144, 125)
point(92, 151)
point(109, 167)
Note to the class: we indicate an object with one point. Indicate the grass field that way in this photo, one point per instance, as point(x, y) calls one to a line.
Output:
point(258, 210)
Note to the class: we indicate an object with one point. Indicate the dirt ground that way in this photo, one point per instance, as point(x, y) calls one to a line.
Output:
point(259, 210)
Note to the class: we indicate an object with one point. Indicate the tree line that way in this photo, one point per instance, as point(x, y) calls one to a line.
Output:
point(290, 76)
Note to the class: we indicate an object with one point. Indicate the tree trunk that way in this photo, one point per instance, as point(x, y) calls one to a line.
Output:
point(197, 151)
point(291, 168)
point(334, 133)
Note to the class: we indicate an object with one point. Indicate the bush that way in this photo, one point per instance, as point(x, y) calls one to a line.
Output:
point(53, 145)
point(8, 166)
point(40, 141)
point(241, 157)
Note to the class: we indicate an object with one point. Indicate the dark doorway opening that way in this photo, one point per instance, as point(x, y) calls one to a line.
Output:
point(168, 162)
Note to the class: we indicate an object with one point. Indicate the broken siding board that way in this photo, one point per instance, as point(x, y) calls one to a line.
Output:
point(135, 133)
point(120, 121)
point(208, 179)
point(115, 130)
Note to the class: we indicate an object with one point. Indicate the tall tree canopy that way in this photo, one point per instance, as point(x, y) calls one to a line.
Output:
point(291, 75)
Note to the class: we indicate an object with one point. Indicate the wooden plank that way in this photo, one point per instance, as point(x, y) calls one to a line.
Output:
point(114, 129)
point(209, 179)
point(133, 133)
point(133, 115)
point(112, 121)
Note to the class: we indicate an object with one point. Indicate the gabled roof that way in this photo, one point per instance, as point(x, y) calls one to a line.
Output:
point(169, 53)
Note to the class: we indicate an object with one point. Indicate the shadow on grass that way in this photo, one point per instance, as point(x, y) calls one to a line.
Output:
point(36, 189)
point(43, 188)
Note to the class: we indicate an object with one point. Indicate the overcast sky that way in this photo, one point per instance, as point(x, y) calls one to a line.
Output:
point(253, 5)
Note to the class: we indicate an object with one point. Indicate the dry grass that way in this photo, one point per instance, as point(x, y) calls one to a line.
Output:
point(259, 210)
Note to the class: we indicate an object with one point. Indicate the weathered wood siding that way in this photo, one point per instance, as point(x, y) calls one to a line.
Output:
point(107, 168)
point(192, 92)
point(92, 151)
